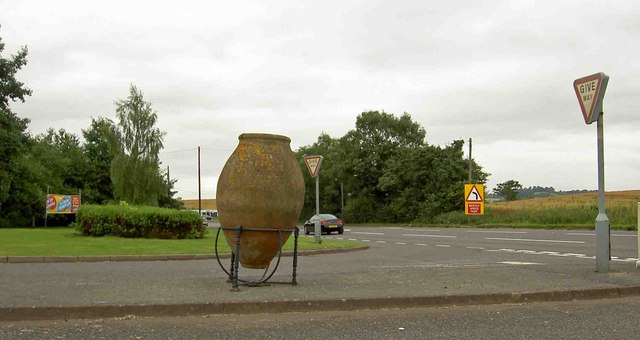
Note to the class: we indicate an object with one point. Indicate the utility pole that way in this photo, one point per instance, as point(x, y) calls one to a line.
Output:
point(168, 183)
point(470, 176)
point(470, 165)
point(199, 186)
point(341, 201)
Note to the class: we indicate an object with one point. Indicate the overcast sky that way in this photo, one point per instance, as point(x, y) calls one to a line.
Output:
point(500, 72)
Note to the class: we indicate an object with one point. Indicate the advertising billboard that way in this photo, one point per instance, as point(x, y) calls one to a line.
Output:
point(62, 204)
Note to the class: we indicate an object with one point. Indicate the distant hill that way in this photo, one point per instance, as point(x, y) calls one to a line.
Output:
point(538, 191)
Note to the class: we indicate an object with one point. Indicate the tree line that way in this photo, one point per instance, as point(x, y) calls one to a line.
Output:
point(118, 160)
point(385, 171)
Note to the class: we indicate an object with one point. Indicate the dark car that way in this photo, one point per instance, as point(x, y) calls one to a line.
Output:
point(328, 223)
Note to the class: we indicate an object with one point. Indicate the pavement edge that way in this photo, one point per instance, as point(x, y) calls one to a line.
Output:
point(23, 313)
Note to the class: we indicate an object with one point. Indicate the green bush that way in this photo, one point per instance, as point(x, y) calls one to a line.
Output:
point(138, 221)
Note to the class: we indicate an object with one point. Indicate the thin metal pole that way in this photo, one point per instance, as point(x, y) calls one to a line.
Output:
point(638, 229)
point(46, 211)
point(317, 230)
point(168, 183)
point(470, 166)
point(470, 177)
point(318, 194)
point(341, 201)
point(199, 186)
point(603, 242)
point(296, 233)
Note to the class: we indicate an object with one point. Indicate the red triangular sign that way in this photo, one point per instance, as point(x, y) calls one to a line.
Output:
point(313, 164)
point(590, 91)
point(474, 195)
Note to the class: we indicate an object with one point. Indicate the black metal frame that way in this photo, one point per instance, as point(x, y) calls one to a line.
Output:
point(233, 271)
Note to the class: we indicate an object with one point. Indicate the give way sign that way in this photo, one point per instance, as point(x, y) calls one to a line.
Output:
point(590, 91)
point(313, 164)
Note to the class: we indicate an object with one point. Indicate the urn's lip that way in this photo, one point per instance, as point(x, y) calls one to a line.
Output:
point(264, 136)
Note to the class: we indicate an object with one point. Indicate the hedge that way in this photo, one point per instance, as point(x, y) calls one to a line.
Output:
point(138, 221)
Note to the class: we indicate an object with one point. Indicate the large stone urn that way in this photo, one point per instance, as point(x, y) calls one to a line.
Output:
point(260, 187)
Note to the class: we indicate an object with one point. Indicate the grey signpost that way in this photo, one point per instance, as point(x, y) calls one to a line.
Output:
point(590, 91)
point(313, 165)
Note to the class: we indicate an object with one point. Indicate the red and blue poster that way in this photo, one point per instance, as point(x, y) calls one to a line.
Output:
point(62, 204)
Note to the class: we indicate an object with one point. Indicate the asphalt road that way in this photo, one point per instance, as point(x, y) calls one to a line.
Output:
point(405, 259)
point(537, 243)
point(401, 262)
point(595, 319)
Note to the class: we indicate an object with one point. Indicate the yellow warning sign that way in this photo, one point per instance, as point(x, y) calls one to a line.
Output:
point(474, 199)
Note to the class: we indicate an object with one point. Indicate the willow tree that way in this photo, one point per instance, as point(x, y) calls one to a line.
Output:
point(136, 142)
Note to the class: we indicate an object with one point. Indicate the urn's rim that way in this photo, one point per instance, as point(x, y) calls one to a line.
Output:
point(263, 136)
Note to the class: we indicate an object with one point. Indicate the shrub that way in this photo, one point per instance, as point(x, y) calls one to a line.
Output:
point(138, 221)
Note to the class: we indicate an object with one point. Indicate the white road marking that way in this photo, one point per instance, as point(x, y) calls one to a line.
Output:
point(594, 234)
point(516, 263)
point(366, 241)
point(554, 253)
point(366, 233)
point(417, 228)
point(443, 245)
point(478, 248)
point(427, 235)
point(496, 231)
point(381, 241)
point(352, 239)
point(400, 243)
point(531, 240)
point(420, 244)
point(527, 252)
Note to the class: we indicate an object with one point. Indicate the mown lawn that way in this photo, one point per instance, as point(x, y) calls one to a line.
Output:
point(65, 242)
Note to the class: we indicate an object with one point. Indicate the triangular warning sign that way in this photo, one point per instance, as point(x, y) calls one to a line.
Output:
point(590, 91)
point(313, 164)
point(474, 195)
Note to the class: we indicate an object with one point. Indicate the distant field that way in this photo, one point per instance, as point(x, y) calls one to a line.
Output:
point(207, 204)
point(564, 211)
point(612, 199)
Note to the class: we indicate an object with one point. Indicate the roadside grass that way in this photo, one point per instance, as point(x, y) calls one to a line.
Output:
point(66, 242)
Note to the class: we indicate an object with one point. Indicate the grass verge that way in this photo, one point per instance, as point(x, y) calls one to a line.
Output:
point(66, 242)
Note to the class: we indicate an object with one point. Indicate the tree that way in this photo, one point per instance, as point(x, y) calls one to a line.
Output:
point(10, 87)
point(508, 189)
point(426, 181)
point(57, 164)
point(136, 142)
point(377, 138)
point(99, 189)
point(14, 140)
point(330, 175)
point(388, 171)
